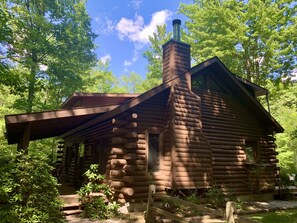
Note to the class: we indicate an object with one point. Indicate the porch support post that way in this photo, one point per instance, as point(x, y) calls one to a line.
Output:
point(25, 138)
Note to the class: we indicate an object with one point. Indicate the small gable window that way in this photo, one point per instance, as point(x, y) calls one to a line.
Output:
point(154, 146)
point(251, 152)
point(206, 81)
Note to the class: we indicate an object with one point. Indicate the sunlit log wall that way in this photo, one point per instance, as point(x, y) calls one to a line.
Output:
point(227, 123)
point(191, 154)
point(151, 119)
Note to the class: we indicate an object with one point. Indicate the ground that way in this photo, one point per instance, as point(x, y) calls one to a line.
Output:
point(131, 218)
point(247, 208)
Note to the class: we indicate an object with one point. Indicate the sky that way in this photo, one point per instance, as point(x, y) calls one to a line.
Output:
point(124, 26)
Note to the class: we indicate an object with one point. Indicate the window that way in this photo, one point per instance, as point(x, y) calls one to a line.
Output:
point(207, 81)
point(251, 151)
point(153, 151)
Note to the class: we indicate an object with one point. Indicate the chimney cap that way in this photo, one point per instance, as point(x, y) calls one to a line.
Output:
point(176, 21)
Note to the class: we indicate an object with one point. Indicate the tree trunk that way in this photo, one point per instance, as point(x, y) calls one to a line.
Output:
point(32, 80)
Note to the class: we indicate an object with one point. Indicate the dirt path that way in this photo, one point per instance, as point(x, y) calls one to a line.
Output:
point(130, 218)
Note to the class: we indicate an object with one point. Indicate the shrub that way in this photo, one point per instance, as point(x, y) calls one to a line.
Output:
point(215, 196)
point(95, 196)
point(28, 191)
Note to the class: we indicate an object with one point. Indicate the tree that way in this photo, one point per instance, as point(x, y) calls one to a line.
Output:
point(132, 83)
point(28, 191)
point(5, 36)
point(255, 39)
point(154, 56)
point(284, 109)
point(52, 44)
point(101, 80)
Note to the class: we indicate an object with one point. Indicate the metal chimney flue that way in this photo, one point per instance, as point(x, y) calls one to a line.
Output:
point(176, 29)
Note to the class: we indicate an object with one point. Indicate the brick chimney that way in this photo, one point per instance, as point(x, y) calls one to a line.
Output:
point(176, 55)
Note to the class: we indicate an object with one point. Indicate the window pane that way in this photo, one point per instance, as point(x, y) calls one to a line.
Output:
point(251, 152)
point(153, 151)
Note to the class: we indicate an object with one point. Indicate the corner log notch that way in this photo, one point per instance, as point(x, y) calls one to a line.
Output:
point(122, 159)
point(23, 143)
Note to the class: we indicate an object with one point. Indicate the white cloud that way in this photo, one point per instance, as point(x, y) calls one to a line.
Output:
point(104, 25)
point(105, 59)
point(133, 60)
point(127, 63)
point(136, 4)
point(136, 31)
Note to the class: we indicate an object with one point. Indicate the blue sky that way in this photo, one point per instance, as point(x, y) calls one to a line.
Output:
point(123, 27)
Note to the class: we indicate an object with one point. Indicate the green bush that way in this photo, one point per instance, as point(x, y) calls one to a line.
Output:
point(215, 196)
point(28, 191)
point(97, 206)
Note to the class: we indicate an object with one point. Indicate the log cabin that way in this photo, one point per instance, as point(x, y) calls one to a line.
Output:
point(202, 128)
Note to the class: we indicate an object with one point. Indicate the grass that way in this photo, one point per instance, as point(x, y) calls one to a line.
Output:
point(276, 217)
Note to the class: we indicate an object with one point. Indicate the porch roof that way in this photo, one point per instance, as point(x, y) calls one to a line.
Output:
point(50, 123)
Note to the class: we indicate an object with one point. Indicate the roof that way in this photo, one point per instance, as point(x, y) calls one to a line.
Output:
point(122, 108)
point(69, 121)
point(95, 99)
point(236, 84)
point(259, 91)
point(50, 123)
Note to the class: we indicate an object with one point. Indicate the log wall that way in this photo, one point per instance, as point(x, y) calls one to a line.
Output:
point(151, 119)
point(191, 154)
point(176, 59)
point(227, 123)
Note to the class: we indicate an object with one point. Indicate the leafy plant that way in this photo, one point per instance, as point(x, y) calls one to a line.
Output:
point(95, 196)
point(97, 208)
point(28, 191)
point(194, 198)
point(95, 183)
point(215, 196)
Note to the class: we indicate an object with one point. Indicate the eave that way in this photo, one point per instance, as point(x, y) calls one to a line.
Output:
point(50, 123)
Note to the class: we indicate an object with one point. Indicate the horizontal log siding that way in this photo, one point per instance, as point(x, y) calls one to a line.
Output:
point(192, 154)
point(227, 123)
point(123, 161)
point(150, 118)
point(176, 59)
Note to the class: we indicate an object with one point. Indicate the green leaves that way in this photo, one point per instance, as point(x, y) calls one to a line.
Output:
point(101, 79)
point(96, 206)
point(253, 38)
point(51, 42)
point(28, 191)
point(284, 109)
point(154, 57)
